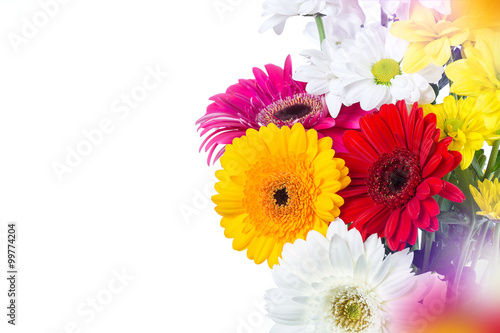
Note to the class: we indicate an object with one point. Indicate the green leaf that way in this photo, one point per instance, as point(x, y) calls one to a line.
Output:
point(451, 218)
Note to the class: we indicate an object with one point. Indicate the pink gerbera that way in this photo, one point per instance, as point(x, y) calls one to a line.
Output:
point(271, 98)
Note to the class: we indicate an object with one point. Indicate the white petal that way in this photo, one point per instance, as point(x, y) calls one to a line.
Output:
point(340, 257)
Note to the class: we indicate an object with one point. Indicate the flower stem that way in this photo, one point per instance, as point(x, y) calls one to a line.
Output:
point(429, 238)
point(496, 245)
point(492, 161)
point(321, 28)
point(464, 255)
point(478, 246)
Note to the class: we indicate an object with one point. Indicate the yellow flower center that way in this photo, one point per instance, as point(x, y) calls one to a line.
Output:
point(352, 309)
point(280, 195)
point(279, 201)
point(385, 70)
point(452, 126)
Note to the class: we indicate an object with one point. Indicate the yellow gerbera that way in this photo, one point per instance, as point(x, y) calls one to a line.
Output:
point(487, 198)
point(479, 75)
point(463, 121)
point(277, 185)
point(431, 37)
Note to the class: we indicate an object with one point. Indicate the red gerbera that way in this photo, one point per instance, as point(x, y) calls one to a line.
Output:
point(396, 163)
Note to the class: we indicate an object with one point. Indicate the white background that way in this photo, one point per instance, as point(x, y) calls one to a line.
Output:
point(119, 210)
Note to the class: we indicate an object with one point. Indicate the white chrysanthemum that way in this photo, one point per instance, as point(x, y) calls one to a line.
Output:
point(368, 70)
point(401, 8)
point(319, 75)
point(281, 10)
point(340, 284)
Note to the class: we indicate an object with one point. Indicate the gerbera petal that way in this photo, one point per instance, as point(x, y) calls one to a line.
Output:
point(355, 141)
point(451, 192)
point(277, 184)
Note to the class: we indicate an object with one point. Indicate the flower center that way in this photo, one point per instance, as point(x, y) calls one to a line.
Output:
point(279, 194)
point(286, 112)
point(385, 70)
point(393, 178)
point(452, 125)
point(353, 310)
point(281, 197)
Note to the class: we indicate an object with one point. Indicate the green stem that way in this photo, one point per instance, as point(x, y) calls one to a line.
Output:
point(492, 161)
point(429, 238)
point(464, 255)
point(496, 243)
point(478, 246)
point(477, 168)
point(321, 28)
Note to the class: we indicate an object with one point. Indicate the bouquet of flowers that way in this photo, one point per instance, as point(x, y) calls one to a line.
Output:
point(364, 178)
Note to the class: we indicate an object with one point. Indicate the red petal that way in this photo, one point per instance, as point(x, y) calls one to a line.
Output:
point(422, 221)
point(412, 238)
point(356, 164)
point(431, 206)
point(423, 191)
point(435, 185)
point(433, 225)
point(431, 165)
point(417, 136)
point(404, 227)
point(444, 167)
point(392, 223)
point(413, 208)
point(353, 190)
point(458, 159)
point(451, 192)
point(378, 220)
point(393, 244)
point(392, 117)
point(354, 206)
point(355, 142)
point(377, 133)
point(410, 127)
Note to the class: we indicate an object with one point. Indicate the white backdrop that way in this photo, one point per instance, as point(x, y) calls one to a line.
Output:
point(124, 238)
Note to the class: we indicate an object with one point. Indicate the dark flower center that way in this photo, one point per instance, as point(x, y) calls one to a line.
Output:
point(394, 177)
point(293, 112)
point(281, 197)
point(287, 111)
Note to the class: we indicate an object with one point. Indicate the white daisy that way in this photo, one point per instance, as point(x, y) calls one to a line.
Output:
point(368, 70)
point(319, 75)
point(281, 10)
point(340, 284)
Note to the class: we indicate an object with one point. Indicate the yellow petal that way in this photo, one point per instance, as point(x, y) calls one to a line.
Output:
point(415, 58)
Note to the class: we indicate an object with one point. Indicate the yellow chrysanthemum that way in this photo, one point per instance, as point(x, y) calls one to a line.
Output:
point(487, 198)
point(463, 121)
point(430, 37)
point(479, 75)
point(277, 185)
